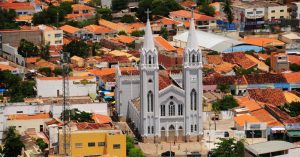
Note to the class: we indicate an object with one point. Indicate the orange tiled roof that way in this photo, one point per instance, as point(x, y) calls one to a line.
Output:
point(31, 59)
point(29, 116)
point(294, 59)
point(70, 78)
point(242, 119)
point(74, 16)
point(69, 29)
point(214, 59)
point(124, 39)
point(188, 4)
point(91, 126)
point(24, 18)
point(164, 43)
point(81, 7)
point(167, 21)
point(107, 71)
point(180, 51)
point(246, 102)
point(264, 116)
point(109, 24)
point(99, 118)
point(6, 67)
point(97, 29)
point(263, 41)
point(292, 77)
point(164, 81)
point(224, 67)
point(188, 15)
point(44, 63)
point(17, 6)
point(240, 59)
point(263, 56)
point(269, 96)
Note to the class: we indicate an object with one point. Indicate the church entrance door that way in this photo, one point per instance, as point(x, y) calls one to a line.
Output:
point(172, 135)
point(163, 134)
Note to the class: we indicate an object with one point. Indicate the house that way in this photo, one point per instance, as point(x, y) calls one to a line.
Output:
point(81, 12)
point(128, 40)
point(188, 5)
point(22, 8)
point(279, 62)
point(295, 10)
point(171, 25)
point(51, 35)
point(11, 53)
point(292, 39)
point(163, 45)
point(96, 33)
point(274, 97)
point(240, 59)
point(202, 22)
point(45, 64)
point(264, 42)
point(12, 69)
point(78, 86)
point(71, 31)
point(250, 124)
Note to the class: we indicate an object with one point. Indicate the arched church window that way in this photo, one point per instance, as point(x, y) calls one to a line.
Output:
point(150, 80)
point(193, 58)
point(152, 129)
point(150, 101)
point(149, 59)
point(163, 110)
point(194, 100)
point(148, 129)
point(180, 110)
point(171, 109)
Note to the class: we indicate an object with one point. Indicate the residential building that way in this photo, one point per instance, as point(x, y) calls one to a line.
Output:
point(70, 31)
point(13, 37)
point(279, 62)
point(23, 122)
point(202, 22)
point(81, 12)
point(51, 35)
point(11, 53)
point(22, 8)
point(240, 59)
point(77, 61)
point(161, 109)
point(13, 70)
point(106, 140)
point(78, 86)
point(250, 124)
point(275, 11)
point(96, 33)
point(106, 3)
point(292, 40)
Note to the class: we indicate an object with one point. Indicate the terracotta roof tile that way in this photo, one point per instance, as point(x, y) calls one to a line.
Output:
point(292, 77)
point(269, 96)
point(124, 39)
point(164, 43)
point(242, 119)
point(264, 78)
point(91, 126)
point(29, 116)
point(188, 4)
point(188, 15)
point(291, 97)
point(6, 67)
point(81, 7)
point(99, 118)
point(31, 59)
point(167, 21)
point(164, 81)
point(17, 6)
point(97, 29)
point(69, 29)
point(44, 63)
point(263, 41)
point(240, 59)
point(231, 80)
point(74, 16)
point(264, 116)
point(214, 59)
point(251, 105)
point(294, 59)
point(262, 56)
point(224, 68)
point(70, 78)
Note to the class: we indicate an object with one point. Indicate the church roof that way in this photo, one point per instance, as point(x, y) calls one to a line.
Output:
point(164, 81)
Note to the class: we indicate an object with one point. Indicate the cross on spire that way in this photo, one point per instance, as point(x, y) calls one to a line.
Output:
point(148, 13)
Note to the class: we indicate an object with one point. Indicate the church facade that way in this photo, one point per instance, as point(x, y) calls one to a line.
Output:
point(164, 106)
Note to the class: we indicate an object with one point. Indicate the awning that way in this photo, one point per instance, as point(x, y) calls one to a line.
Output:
point(294, 133)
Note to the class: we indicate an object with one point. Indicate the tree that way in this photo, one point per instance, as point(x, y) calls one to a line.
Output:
point(225, 88)
point(207, 9)
point(58, 71)
point(292, 108)
point(76, 115)
point(118, 5)
point(137, 33)
point(164, 33)
point(294, 67)
point(45, 71)
point(136, 152)
point(268, 61)
point(12, 143)
point(226, 103)
point(129, 144)
point(27, 49)
point(227, 9)
point(158, 7)
point(7, 18)
point(128, 19)
point(95, 48)
point(242, 71)
point(95, 3)
point(42, 145)
point(122, 33)
point(78, 48)
point(44, 50)
point(229, 148)
point(105, 13)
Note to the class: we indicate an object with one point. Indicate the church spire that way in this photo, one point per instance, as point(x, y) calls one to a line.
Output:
point(148, 38)
point(192, 42)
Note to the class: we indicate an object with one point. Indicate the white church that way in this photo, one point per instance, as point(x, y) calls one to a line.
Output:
point(165, 107)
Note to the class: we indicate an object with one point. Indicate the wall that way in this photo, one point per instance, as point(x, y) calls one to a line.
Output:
point(53, 37)
point(276, 12)
point(11, 53)
point(23, 125)
point(14, 37)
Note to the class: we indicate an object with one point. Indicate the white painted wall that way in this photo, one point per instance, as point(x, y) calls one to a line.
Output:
point(23, 125)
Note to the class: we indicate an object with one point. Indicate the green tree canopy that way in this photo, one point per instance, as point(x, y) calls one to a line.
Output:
point(78, 48)
point(129, 144)
point(122, 33)
point(7, 18)
point(118, 5)
point(229, 148)
point(137, 33)
point(293, 108)
point(136, 152)
point(225, 88)
point(76, 115)
point(294, 67)
point(227, 9)
point(12, 143)
point(45, 71)
point(104, 13)
point(164, 33)
point(41, 143)
point(157, 7)
point(128, 19)
point(44, 50)
point(27, 49)
point(206, 9)
point(226, 103)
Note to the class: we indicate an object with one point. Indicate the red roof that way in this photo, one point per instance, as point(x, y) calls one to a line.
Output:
point(164, 81)
point(99, 118)
point(97, 29)
point(292, 77)
point(164, 43)
point(188, 4)
point(270, 96)
point(91, 126)
point(17, 6)
point(188, 15)
point(240, 59)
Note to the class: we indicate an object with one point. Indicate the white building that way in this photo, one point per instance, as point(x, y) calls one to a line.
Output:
point(53, 86)
point(106, 3)
point(11, 53)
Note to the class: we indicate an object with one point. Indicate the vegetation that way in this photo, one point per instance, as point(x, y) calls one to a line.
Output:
point(157, 7)
point(128, 19)
point(104, 13)
point(242, 71)
point(294, 67)
point(7, 18)
point(45, 71)
point(207, 71)
point(122, 33)
point(137, 33)
point(226, 103)
point(164, 33)
point(131, 150)
point(227, 9)
point(206, 9)
point(42, 145)
point(225, 88)
point(229, 148)
point(44, 50)
point(17, 89)
point(94, 3)
point(53, 14)
point(12, 143)
point(78, 48)
point(27, 49)
point(80, 24)
point(118, 5)
point(268, 61)
point(213, 53)
point(58, 71)
point(76, 115)
point(293, 108)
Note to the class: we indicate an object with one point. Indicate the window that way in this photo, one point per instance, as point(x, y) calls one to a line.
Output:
point(57, 35)
point(19, 111)
point(281, 17)
point(192, 126)
point(194, 100)
point(149, 59)
point(171, 109)
point(148, 129)
point(78, 145)
point(259, 12)
point(152, 129)
point(150, 81)
point(116, 146)
point(150, 101)
point(163, 110)
point(193, 58)
point(101, 144)
point(180, 110)
point(91, 144)
point(195, 127)
point(281, 10)
point(273, 11)
point(58, 42)
point(249, 12)
point(85, 11)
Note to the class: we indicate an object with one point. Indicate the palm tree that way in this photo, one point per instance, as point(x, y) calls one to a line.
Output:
point(227, 9)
